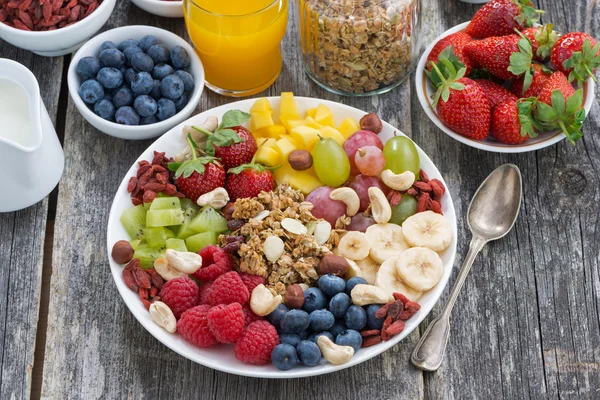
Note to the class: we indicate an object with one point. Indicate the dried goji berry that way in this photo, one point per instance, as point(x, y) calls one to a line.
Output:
point(129, 280)
point(141, 278)
point(394, 197)
point(131, 184)
point(146, 303)
point(149, 196)
point(412, 192)
point(436, 207)
point(143, 293)
point(395, 328)
point(386, 324)
point(410, 309)
point(422, 202)
point(383, 311)
point(401, 297)
point(371, 341)
point(422, 186)
point(395, 310)
point(370, 332)
point(424, 176)
point(155, 187)
point(153, 291)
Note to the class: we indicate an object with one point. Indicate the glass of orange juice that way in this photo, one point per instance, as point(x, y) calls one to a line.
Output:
point(238, 41)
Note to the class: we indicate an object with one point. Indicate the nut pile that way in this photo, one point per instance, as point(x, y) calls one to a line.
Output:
point(45, 15)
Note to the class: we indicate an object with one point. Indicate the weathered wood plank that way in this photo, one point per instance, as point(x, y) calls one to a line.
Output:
point(21, 253)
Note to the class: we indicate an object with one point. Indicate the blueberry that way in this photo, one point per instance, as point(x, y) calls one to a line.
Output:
point(148, 41)
point(88, 67)
point(107, 96)
point(155, 92)
point(127, 43)
point(127, 116)
point(166, 109)
point(289, 338)
point(314, 299)
point(284, 357)
point(91, 91)
point(372, 321)
point(188, 80)
point(123, 97)
point(162, 70)
point(275, 317)
point(159, 54)
point(145, 105)
point(110, 77)
point(130, 52)
point(142, 62)
point(350, 283)
point(338, 305)
point(179, 57)
point(112, 58)
point(171, 87)
point(108, 45)
point(142, 84)
point(320, 320)
point(148, 120)
point(355, 318)
point(349, 337)
point(303, 335)
point(128, 75)
point(294, 321)
point(309, 353)
point(105, 109)
point(181, 102)
point(337, 328)
point(315, 336)
point(331, 284)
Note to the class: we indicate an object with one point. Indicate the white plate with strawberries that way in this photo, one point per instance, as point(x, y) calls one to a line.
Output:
point(221, 356)
point(506, 124)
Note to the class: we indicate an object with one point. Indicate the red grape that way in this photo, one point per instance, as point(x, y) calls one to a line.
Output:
point(360, 223)
point(361, 184)
point(356, 141)
point(329, 210)
point(369, 160)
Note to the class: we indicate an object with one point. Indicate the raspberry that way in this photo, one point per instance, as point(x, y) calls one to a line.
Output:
point(203, 297)
point(227, 289)
point(226, 322)
point(215, 262)
point(249, 315)
point(193, 327)
point(180, 294)
point(256, 343)
point(252, 281)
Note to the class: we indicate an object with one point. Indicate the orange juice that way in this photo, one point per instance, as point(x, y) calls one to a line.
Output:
point(238, 42)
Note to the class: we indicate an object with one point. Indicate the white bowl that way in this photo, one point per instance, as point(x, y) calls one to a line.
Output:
point(140, 132)
point(60, 41)
point(221, 357)
point(162, 8)
point(425, 90)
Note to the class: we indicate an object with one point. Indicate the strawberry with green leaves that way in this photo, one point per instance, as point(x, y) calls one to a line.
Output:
point(542, 40)
point(502, 17)
point(248, 180)
point(577, 55)
point(512, 121)
point(457, 42)
point(541, 74)
point(495, 93)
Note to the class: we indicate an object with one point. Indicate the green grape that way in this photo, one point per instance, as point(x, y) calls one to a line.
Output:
point(404, 209)
point(331, 162)
point(401, 155)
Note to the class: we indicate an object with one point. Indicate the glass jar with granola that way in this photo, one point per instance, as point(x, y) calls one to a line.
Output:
point(359, 47)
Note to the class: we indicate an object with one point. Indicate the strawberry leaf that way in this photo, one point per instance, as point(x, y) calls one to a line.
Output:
point(188, 167)
point(446, 82)
point(529, 15)
point(448, 64)
point(583, 62)
point(233, 118)
point(568, 116)
point(254, 166)
point(546, 37)
point(173, 166)
point(528, 123)
point(225, 136)
point(520, 62)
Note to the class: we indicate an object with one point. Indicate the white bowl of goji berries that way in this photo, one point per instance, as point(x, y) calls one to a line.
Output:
point(61, 30)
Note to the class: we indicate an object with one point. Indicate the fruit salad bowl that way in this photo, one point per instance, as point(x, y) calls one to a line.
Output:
point(221, 357)
point(425, 91)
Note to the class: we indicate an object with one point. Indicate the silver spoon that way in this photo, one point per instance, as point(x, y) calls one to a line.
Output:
point(492, 214)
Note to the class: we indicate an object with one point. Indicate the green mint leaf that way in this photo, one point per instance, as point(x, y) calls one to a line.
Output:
point(233, 118)
point(173, 166)
point(254, 166)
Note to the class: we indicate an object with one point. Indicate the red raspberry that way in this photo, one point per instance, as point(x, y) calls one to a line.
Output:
point(226, 322)
point(203, 297)
point(227, 289)
point(251, 281)
point(193, 327)
point(180, 294)
point(215, 262)
point(256, 343)
point(249, 316)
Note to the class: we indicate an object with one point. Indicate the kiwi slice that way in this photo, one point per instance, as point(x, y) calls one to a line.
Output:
point(176, 244)
point(209, 220)
point(147, 255)
point(157, 237)
point(165, 203)
point(158, 218)
point(199, 241)
point(134, 243)
point(134, 221)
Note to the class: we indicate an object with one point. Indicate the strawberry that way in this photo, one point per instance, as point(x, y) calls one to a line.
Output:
point(542, 40)
point(502, 17)
point(495, 93)
point(236, 154)
point(198, 175)
point(556, 81)
point(248, 180)
point(511, 122)
point(577, 55)
point(541, 75)
point(457, 41)
point(461, 104)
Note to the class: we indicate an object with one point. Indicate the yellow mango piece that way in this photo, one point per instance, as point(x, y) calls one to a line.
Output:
point(310, 121)
point(348, 127)
point(329, 132)
point(273, 131)
point(287, 105)
point(323, 115)
point(268, 156)
point(290, 122)
point(304, 182)
point(270, 142)
point(260, 120)
point(283, 174)
point(305, 136)
point(261, 105)
point(285, 145)
point(311, 112)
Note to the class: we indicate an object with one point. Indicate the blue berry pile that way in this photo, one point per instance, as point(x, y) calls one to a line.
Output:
point(136, 83)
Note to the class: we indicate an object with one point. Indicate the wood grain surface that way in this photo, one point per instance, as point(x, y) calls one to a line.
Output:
point(527, 324)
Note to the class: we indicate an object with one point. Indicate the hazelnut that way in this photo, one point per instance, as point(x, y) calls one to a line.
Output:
point(227, 211)
point(371, 122)
point(332, 264)
point(300, 160)
point(294, 296)
point(122, 252)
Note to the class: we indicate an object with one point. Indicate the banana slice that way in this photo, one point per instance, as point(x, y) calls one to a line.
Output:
point(368, 269)
point(420, 268)
point(386, 241)
point(389, 280)
point(354, 245)
point(353, 270)
point(427, 229)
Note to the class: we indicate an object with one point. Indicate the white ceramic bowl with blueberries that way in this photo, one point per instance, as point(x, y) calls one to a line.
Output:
point(60, 41)
point(136, 82)
point(162, 8)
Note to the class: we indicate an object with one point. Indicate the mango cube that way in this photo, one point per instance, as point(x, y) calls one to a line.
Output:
point(261, 105)
point(268, 142)
point(329, 132)
point(300, 180)
point(305, 136)
point(260, 120)
point(348, 127)
point(285, 145)
point(268, 156)
point(323, 115)
point(311, 112)
point(273, 131)
point(287, 105)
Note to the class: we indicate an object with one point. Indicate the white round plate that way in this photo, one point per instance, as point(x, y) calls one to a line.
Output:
point(221, 357)
point(425, 90)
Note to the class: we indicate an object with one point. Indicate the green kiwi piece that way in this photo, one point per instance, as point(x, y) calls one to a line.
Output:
point(134, 221)
point(199, 241)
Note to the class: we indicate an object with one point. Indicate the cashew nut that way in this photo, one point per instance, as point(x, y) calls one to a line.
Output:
point(217, 199)
point(263, 302)
point(184, 261)
point(363, 295)
point(163, 316)
point(334, 353)
point(273, 248)
point(380, 206)
point(210, 124)
point(400, 182)
point(347, 196)
point(164, 269)
point(322, 232)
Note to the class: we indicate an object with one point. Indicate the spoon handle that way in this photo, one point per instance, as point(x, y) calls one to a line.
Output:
point(429, 352)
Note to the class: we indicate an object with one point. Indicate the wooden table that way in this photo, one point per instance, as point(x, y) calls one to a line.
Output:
point(527, 324)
